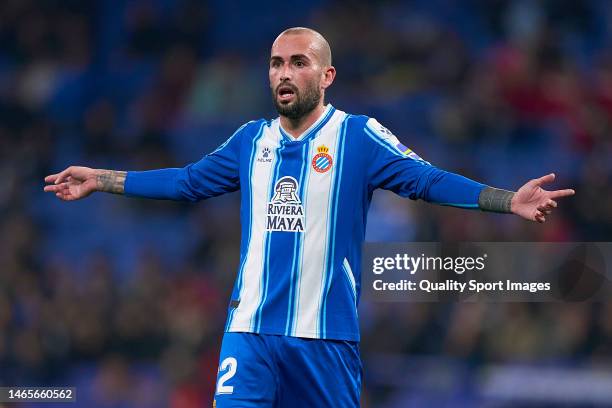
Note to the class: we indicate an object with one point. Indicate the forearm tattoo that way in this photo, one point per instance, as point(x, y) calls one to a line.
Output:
point(495, 200)
point(111, 181)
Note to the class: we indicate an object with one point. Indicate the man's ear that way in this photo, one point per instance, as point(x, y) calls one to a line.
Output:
point(328, 77)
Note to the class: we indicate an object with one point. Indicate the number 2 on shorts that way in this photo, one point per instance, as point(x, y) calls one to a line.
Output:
point(233, 365)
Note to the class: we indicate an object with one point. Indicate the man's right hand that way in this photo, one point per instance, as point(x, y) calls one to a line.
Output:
point(78, 182)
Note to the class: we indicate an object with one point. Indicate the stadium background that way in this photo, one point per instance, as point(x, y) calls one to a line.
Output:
point(125, 299)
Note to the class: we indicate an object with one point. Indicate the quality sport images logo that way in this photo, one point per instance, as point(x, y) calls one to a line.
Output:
point(322, 161)
point(285, 211)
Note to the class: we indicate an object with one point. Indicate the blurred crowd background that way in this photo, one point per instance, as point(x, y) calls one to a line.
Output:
point(125, 298)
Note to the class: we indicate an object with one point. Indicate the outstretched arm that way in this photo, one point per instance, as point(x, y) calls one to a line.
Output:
point(531, 201)
point(78, 182)
point(216, 173)
point(395, 167)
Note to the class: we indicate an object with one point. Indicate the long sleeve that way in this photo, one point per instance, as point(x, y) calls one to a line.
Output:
point(392, 166)
point(215, 174)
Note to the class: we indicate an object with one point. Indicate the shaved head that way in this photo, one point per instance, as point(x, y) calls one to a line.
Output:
point(319, 44)
point(300, 71)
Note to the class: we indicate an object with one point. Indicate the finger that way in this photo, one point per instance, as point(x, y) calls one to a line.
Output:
point(62, 176)
point(64, 195)
point(56, 187)
point(52, 188)
point(544, 208)
point(539, 217)
point(62, 188)
point(545, 179)
point(561, 193)
point(51, 178)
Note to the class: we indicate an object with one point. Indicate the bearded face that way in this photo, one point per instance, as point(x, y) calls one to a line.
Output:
point(295, 103)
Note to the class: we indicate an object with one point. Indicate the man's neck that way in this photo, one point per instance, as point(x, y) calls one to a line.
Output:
point(295, 127)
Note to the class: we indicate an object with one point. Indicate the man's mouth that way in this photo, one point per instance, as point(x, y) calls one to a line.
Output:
point(285, 93)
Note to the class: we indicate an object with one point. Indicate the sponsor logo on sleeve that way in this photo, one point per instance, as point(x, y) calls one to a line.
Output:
point(408, 152)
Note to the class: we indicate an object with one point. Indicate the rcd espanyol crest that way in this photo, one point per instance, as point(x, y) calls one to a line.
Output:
point(285, 211)
point(322, 161)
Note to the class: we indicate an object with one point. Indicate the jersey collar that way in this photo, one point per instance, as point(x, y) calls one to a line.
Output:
point(313, 129)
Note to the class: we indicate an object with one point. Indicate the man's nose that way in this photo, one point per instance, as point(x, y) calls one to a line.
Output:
point(285, 74)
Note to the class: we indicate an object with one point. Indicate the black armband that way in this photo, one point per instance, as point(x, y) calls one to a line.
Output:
point(495, 200)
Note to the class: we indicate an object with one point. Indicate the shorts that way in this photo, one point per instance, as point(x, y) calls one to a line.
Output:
point(261, 370)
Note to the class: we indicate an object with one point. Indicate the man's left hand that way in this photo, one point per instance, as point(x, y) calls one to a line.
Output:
point(534, 203)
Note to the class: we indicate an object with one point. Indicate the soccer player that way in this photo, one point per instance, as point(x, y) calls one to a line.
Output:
point(306, 179)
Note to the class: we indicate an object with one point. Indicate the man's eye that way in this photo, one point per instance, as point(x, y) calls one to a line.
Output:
point(299, 64)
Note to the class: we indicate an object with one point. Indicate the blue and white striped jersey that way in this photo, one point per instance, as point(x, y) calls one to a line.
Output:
point(304, 204)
